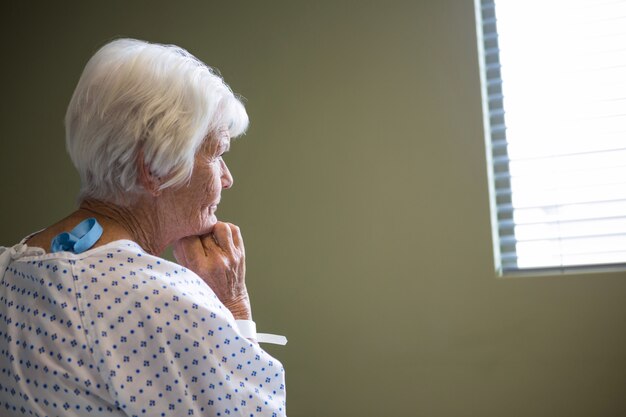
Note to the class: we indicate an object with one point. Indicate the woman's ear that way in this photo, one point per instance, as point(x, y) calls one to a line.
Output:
point(147, 179)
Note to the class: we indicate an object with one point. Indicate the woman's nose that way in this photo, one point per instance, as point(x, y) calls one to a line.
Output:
point(227, 178)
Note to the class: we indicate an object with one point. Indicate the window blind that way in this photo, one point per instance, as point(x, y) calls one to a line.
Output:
point(554, 92)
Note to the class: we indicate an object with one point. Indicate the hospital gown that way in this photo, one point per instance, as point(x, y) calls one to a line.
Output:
point(115, 331)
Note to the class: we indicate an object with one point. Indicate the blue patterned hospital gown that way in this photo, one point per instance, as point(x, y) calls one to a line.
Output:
point(115, 331)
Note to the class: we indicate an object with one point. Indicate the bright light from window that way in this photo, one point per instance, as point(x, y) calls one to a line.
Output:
point(564, 87)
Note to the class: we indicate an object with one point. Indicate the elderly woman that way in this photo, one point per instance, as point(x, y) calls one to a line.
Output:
point(92, 321)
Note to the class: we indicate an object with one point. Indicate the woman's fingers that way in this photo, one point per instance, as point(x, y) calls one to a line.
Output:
point(209, 243)
point(237, 239)
point(224, 237)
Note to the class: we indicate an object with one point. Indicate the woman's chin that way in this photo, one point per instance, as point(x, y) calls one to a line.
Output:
point(206, 222)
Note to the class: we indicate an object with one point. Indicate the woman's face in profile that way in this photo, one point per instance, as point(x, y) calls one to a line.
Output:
point(191, 208)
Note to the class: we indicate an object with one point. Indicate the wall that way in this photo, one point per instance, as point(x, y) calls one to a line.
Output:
point(361, 191)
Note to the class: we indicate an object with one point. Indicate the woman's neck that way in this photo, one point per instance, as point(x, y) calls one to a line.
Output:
point(139, 223)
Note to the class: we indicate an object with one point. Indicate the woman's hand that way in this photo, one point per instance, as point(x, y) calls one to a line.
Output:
point(219, 258)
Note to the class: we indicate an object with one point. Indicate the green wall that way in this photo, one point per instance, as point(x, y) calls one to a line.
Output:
point(361, 190)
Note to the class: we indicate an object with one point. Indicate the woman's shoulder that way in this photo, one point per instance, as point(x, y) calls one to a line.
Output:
point(122, 287)
point(120, 265)
point(122, 270)
point(125, 260)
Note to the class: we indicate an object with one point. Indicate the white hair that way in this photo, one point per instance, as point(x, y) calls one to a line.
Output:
point(134, 96)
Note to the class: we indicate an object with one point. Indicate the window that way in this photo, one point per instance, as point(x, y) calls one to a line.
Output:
point(554, 98)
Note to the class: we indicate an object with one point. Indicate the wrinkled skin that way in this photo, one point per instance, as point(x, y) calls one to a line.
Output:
point(212, 249)
point(219, 258)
